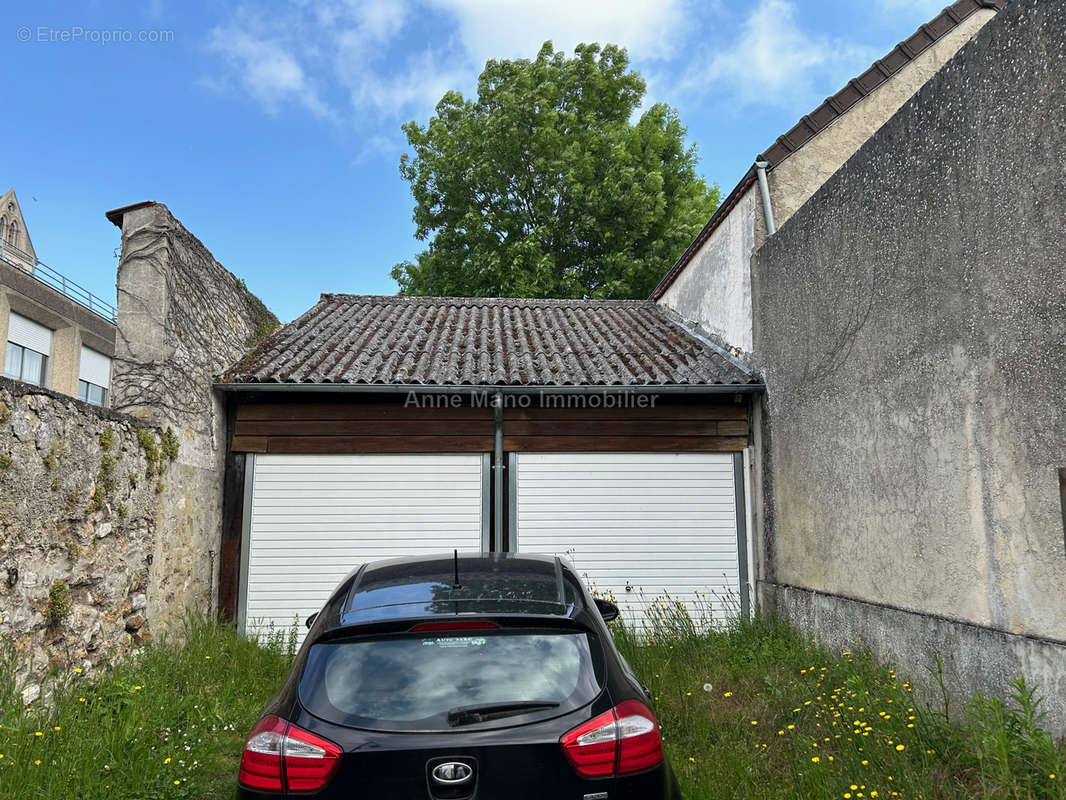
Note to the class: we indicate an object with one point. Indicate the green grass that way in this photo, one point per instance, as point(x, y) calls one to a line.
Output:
point(750, 710)
point(168, 723)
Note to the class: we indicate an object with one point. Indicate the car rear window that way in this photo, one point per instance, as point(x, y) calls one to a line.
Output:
point(412, 681)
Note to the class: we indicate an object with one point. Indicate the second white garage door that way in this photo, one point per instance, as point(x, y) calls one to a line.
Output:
point(314, 518)
point(640, 525)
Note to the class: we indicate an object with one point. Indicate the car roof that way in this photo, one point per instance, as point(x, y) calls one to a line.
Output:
point(459, 584)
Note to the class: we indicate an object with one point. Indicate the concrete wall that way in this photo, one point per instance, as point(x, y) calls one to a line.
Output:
point(182, 319)
point(714, 289)
point(910, 322)
point(800, 175)
point(80, 502)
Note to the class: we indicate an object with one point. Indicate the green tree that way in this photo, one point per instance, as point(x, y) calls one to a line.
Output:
point(542, 186)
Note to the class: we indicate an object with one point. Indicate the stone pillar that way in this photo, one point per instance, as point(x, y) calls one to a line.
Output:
point(182, 320)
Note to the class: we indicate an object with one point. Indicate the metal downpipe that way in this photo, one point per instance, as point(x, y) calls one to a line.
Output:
point(764, 190)
point(497, 475)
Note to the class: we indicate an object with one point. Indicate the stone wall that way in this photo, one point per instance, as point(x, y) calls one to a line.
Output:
point(182, 320)
point(81, 489)
point(910, 324)
point(110, 520)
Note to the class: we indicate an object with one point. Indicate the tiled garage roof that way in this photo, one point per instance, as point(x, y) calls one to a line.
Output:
point(358, 339)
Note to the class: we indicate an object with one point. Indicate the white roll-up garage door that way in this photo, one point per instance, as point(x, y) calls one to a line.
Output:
point(313, 519)
point(638, 525)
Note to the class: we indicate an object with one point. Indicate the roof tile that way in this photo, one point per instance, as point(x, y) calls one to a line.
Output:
point(361, 339)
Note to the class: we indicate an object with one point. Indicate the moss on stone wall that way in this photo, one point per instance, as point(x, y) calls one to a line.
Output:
point(263, 320)
point(59, 605)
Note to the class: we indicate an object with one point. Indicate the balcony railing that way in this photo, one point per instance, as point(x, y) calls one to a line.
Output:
point(55, 280)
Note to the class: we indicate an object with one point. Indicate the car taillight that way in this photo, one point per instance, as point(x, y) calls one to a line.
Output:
point(623, 740)
point(281, 757)
point(458, 625)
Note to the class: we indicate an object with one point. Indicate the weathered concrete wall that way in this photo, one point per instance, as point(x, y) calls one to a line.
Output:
point(714, 290)
point(910, 321)
point(80, 496)
point(800, 175)
point(975, 657)
point(182, 320)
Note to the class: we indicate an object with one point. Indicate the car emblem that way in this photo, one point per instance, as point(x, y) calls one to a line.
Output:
point(452, 773)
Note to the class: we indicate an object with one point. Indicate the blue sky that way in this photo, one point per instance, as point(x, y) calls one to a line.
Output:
point(272, 128)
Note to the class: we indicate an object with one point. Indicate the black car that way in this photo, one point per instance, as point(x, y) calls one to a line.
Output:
point(456, 677)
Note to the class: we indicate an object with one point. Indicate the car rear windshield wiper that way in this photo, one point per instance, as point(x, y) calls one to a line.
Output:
point(468, 715)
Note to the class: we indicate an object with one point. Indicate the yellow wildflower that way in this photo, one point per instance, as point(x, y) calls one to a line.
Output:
point(899, 747)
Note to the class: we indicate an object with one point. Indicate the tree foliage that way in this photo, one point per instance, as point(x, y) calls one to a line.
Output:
point(543, 187)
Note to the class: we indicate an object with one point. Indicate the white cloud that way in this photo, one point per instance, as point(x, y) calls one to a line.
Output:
point(266, 51)
point(371, 63)
point(266, 66)
point(929, 8)
point(517, 28)
point(774, 61)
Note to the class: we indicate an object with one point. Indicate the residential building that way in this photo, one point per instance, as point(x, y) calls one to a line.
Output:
point(53, 332)
point(910, 327)
point(710, 284)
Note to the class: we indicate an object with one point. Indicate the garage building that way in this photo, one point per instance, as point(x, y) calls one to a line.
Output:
point(375, 427)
